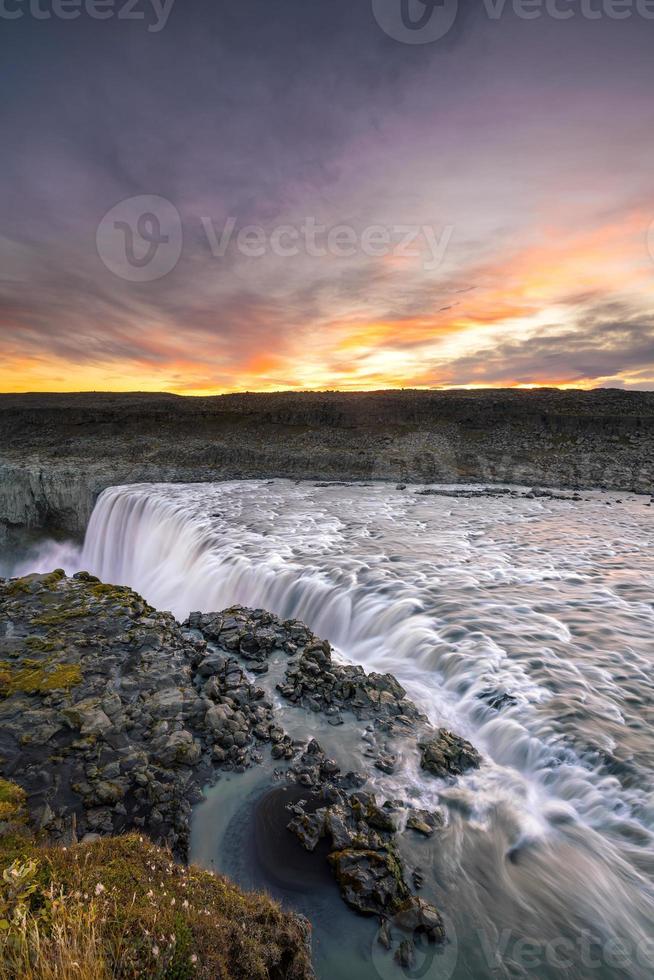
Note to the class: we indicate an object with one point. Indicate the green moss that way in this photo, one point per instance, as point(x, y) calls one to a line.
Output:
point(16, 587)
point(61, 616)
point(101, 589)
point(52, 580)
point(40, 645)
point(25, 585)
point(37, 677)
point(12, 801)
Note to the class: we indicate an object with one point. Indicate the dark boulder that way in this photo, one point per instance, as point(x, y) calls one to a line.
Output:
point(370, 881)
point(447, 754)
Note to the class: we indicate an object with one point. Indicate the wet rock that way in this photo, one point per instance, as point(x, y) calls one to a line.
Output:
point(417, 916)
point(447, 754)
point(424, 822)
point(319, 684)
point(370, 881)
point(89, 717)
point(386, 763)
point(178, 749)
point(136, 713)
point(497, 699)
point(405, 954)
point(309, 828)
point(214, 663)
point(385, 936)
point(377, 817)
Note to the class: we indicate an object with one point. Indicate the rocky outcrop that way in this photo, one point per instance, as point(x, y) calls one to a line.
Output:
point(314, 681)
point(113, 717)
point(363, 851)
point(362, 832)
point(58, 452)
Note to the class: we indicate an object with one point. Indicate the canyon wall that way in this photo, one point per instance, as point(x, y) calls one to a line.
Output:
point(58, 452)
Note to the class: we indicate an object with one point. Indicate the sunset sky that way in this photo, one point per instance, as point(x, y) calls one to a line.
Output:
point(525, 146)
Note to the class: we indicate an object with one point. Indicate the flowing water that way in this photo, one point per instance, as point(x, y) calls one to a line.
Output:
point(546, 867)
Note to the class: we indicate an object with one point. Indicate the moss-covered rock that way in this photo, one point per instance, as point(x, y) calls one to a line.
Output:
point(112, 716)
point(37, 677)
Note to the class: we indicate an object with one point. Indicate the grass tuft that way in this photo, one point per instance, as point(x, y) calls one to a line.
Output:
point(121, 908)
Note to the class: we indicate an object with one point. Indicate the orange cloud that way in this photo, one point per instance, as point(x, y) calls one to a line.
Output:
point(519, 293)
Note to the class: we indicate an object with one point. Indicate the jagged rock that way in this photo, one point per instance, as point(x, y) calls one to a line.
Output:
point(370, 881)
point(386, 763)
point(424, 822)
point(417, 878)
point(138, 713)
point(375, 816)
point(497, 699)
point(405, 954)
point(385, 936)
point(351, 821)
point(309, 828)
point(417, 916)
point(134, 711)
point(89, 717)
point(214, 663)
point(179, 749)
point(447, 754)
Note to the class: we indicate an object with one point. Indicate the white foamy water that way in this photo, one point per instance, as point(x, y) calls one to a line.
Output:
point(547, 601)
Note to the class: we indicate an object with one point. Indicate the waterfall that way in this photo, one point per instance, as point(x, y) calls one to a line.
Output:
point(523, 624)
point(427, 588)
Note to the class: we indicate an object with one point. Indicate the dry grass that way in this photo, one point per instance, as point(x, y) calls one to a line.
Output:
point(121, 908)
point(67, 948)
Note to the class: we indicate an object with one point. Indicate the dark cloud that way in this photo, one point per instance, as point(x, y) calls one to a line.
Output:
point(273, 110)
point(605, 343)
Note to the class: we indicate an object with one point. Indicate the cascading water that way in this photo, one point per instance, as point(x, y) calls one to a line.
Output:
point(543, 604)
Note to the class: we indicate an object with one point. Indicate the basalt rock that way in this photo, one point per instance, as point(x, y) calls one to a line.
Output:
point(315, 682)
point(112, 716)
point(424, 822)
point(364, 857)
point(405, 955)
point(312, 680)
point(419, 917)
point(498, 700)
point(370, 881)
point(448, 755)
